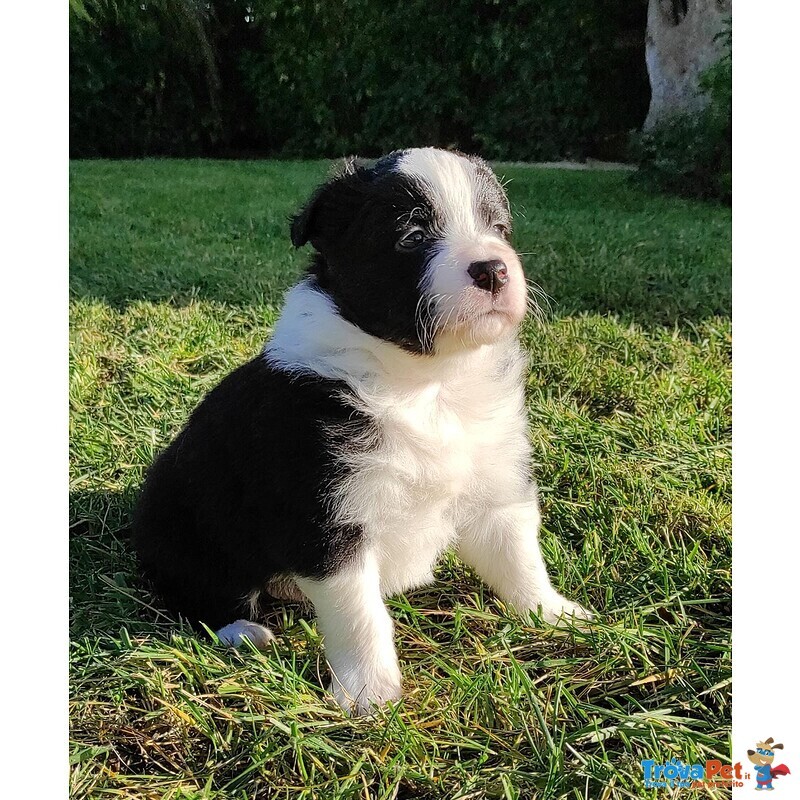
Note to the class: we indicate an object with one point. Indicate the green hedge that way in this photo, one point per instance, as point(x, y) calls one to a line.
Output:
point(512, 79)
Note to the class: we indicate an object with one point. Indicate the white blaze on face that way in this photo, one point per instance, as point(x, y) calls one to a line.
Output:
point(451, 182)
point(465, 314)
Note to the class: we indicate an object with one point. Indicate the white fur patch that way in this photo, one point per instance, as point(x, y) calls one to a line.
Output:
point(234, 634)
point(453, 433)
point(451, 180)
point(358, 632)
point(466, 315)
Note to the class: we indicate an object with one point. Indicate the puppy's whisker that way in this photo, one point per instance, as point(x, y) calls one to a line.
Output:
point(419, 322)
point(538, 301)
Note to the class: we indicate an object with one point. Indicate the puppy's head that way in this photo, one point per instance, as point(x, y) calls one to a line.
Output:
point(414, 249)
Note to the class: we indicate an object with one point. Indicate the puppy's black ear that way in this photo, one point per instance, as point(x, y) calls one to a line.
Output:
point(301, 222)
point(308, 225)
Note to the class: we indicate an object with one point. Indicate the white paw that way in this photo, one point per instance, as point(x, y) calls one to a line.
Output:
point(555, 610)
point(362, 696)
point(234, 634)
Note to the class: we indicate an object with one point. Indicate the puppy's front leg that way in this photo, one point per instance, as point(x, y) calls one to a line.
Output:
point(502, 545)
point(358, 634)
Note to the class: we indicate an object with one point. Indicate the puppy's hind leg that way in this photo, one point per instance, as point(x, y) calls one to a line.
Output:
point(358, 633)
point(234, 634)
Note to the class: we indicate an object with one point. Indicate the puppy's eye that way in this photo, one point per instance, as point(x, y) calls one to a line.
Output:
point(411, 240)
point(501, 230)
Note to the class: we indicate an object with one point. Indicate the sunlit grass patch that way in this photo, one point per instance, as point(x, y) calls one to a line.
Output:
point(178, 270)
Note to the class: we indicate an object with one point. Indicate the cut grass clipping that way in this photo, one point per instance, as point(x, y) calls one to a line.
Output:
point(178, 270)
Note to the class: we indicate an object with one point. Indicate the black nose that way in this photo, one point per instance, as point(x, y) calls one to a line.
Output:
point(489, 275)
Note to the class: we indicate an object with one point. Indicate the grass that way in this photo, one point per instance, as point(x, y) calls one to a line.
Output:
point(177, 274)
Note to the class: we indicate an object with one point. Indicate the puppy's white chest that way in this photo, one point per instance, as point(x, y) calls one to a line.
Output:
point(433, 445)
point(429, 454)
point(402, 490)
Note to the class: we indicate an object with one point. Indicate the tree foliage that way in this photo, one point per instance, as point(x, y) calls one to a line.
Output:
point(518, 79)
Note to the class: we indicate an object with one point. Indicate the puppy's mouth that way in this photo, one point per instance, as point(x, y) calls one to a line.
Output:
point(475, 318)
point(476, 304)
point(490, 313)
point(472, 299)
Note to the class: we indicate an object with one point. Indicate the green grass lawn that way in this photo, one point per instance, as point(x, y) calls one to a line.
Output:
point(178, 269)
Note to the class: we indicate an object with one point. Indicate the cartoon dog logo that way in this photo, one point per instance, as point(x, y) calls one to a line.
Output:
point(762, 757)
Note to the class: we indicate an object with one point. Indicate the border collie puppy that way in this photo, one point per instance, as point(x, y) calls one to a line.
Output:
point(383, 423)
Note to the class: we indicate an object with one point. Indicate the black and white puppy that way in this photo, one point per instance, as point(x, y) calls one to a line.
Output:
point(383, 423)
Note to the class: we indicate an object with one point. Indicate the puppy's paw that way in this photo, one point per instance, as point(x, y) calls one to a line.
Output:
point(234, 634)
point(557, 610)
point(361, 696)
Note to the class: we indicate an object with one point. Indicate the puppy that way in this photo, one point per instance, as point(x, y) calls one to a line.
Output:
point(383, 423)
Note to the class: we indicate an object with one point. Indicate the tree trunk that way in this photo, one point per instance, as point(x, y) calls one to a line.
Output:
point(679, 46)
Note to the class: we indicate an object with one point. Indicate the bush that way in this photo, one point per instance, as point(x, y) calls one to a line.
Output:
point(690, 154)
point(519, 80)
point(507, 79)
point(132, 90)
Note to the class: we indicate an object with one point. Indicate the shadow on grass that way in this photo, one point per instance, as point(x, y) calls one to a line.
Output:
point(106, 592)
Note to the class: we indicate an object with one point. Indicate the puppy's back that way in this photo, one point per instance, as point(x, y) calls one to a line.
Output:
point(239, 495)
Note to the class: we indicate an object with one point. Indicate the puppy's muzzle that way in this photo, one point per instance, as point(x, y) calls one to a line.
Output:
point(491, 276)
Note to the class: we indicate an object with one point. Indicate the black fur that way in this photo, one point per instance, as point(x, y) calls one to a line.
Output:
point(239, 495)
point(354, 222)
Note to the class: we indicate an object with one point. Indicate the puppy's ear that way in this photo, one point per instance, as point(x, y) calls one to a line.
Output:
point(309, 225)
point(301, 222)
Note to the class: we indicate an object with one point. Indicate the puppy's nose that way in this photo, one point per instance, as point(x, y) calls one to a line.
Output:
point(489, 275)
